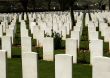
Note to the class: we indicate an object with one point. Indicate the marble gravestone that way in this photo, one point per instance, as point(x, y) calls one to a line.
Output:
point(29, 65)
point(71, 48)
point(26, 44)
point(10, 33)
point(101, 67)
point(3, 58)
point(96, 49)
point(1, 31)
point(93, 35)
point(63, 66)
point(76, 35)
point(6, 45)
point(48, 49)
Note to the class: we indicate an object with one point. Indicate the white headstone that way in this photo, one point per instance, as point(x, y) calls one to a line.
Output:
point(71, 48)
point(3, 64)
point(40, 38)
point(101, 67)
point(35, 32)
point(24, 33)
point(76, 35)
point(29, 65)
point(6, 45)
point(1, 31)
point(106, 36)
point(32, 24)
point(96, 49)
point(93, 35)
point(78, 28)
point(64, 33)
point(10, 33)
point(91, 28)
point(48, 49)
point(26, 44)
point(4, 27)
point(63, 66)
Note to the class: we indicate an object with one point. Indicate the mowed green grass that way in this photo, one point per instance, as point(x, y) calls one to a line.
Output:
point(46, 69)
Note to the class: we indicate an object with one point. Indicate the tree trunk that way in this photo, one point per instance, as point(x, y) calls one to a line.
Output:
point(72, 14)
point(34, 5)
point(24, 4)
point(109, 4)
point(61, 5)
point(49, 4)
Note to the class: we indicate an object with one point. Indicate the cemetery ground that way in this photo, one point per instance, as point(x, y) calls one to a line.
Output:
point(47, 69)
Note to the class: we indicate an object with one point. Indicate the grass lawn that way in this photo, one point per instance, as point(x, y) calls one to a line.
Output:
point(46, 69)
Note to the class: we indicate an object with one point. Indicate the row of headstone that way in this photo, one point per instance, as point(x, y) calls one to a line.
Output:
point(57, 23)
point(99, 63)
point(103, 23)
point(66, 60)
point(8, 29)
point(63, 65)
point(48, 47)
point(7, 45)
point(26, 41)
point(95, 44)
point(38, 34)
point(7, 33)
point(30, 65)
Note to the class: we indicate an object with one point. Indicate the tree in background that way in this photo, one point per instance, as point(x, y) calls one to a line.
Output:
point(24, 4)
point(64, 4)
point(72, 12)
point(34, 4)
point(49, 2)
point(100, 3)
point(61, 4)
point(109, 4)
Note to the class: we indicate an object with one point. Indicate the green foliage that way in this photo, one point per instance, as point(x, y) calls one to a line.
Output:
point(84, 45)
point(17, 39)
point(85, 31)
point(84, 57)
point(34, 42)
point(63, 44)
point(59, 51)
point(101, 37)
point(106, 47)
point(40, 52)
point(57, 41)
point(16, 52)
point(84, 38)
point(68, 36)
point(97, 28)
point(107, 54)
